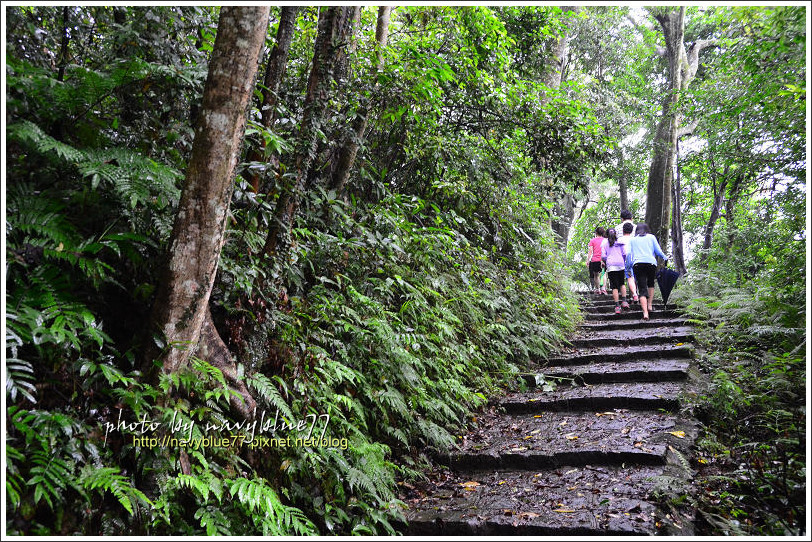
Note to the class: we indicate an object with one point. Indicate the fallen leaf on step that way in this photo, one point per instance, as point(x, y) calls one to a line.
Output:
point(469, 484)
point(678, 434)
point(571, 436)
point(565, 510)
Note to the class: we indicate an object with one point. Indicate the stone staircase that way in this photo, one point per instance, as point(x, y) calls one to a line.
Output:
point(599, 445)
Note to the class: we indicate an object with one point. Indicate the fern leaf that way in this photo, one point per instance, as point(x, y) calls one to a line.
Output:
point(267, 390)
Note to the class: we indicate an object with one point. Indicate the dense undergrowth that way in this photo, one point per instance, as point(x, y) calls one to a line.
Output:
point(396, 344)
point(408, 298)
point(393, 318)
point(749, 300)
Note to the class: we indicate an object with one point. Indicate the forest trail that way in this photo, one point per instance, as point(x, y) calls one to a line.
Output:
point(601, 452)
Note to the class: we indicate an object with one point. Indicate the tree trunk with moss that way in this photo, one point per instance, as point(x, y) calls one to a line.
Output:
point(181, 312)
point(682, 66)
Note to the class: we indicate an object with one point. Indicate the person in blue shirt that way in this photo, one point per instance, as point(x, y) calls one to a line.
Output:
point(643, 250)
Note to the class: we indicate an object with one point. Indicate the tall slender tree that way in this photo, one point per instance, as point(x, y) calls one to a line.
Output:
point(274, 73)
point(552, 77)
point(348, 152)
point(682, 64)
point(180, 311)
point(334, 27)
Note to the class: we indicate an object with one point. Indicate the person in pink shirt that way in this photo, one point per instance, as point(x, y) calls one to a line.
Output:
point(595, 260)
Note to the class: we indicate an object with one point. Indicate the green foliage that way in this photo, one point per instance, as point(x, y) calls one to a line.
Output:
point(406, 300)
point(754, 335)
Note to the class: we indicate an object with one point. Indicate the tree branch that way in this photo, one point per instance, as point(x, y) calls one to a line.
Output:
point(687, 130)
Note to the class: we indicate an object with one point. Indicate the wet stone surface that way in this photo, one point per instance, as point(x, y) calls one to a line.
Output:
point(553, 432)
point(638, 395)
point(601, 325)
point(587, 450)
point(575, 356)
point(632, 371)
point(567, 500)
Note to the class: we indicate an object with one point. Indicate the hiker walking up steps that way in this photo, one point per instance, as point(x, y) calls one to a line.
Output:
point(643, 250)
point(594, 259)
point(613, 255)
point(624, 239)
point(626, 218)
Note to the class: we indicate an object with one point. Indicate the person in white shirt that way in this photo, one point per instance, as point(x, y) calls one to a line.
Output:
point(624, 240)
point(626, 217)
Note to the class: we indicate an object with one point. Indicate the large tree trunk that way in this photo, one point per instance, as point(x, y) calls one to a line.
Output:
point(733, 193)
point(719, 192)
point(274, 73)
point(563, 216)
point(660, 176)
point(554, 67)
point(334, 27)
point(181, 311)
point(348, 152)
point(682, 66)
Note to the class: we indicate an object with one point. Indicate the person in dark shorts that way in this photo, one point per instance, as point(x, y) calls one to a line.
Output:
point(594, 259)
point(643, 250)
point(613, 254)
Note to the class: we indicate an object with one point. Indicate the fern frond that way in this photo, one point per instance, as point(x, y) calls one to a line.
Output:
point(110, 479)
point(436, 435)
point(278, 518)
point(30, 133)
point(199, 485)
point(214, 521)
point(51, 475)
point(20, 379)
point(270, 394)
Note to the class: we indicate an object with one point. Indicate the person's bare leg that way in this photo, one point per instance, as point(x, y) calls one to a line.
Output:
point(644, 305)
point(650, 299)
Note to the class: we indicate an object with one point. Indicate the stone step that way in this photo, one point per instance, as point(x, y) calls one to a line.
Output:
point(573, 356)
point(632, 315)
point(598, 397)
point(630, 324)
point(567, 501)
point(552, 439)
point(609, 308)
point(666, 370)
point(634, 337)
point(608, 299)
